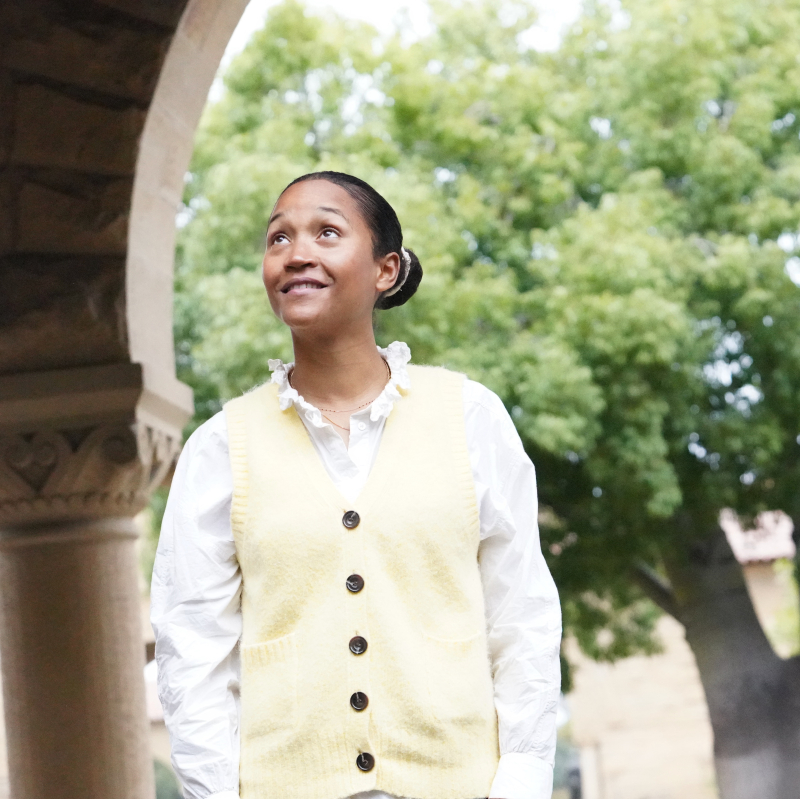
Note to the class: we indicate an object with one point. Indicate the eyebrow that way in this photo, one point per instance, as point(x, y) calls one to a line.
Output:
point(333, 211)
point(321, 208)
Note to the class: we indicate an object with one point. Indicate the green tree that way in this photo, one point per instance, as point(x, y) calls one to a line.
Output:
point(609, 235)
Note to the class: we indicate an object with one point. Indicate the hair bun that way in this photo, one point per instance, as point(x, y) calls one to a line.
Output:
point(409, 287)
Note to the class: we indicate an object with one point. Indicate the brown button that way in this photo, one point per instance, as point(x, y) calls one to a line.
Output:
point(355, 582)
point(359, 701)
point(351, 519)
point(365, 761)
point(358, 645)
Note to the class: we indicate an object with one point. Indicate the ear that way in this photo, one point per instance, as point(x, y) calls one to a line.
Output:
point(388, 270)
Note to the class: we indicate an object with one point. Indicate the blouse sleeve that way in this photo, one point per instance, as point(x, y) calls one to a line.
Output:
point(195, 613)
point(522, 608)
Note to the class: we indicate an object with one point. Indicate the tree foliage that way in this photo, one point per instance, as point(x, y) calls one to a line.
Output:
point(610, 241)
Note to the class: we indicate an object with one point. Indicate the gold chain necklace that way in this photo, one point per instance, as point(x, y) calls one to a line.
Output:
point(333, 410)
point(341, 427)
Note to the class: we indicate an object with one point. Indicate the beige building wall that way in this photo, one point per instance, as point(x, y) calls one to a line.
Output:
point(774, 596)
point(642, 723)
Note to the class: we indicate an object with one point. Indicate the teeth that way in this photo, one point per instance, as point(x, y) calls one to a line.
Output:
point(305, 286)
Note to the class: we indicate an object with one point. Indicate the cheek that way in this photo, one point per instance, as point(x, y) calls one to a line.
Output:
point(269, 278)
point(269, 274)
point(359, 277)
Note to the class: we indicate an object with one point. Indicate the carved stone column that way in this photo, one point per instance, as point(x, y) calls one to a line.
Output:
point(99, 102)
point(80, 451)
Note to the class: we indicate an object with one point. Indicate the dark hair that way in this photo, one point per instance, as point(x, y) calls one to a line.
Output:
point(381, 219)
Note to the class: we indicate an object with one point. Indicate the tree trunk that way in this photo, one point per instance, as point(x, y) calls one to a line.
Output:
point(753, 695)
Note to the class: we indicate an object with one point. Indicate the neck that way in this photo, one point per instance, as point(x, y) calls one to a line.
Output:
point(340, 371)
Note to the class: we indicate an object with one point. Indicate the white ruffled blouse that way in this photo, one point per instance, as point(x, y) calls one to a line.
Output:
point(196, 588)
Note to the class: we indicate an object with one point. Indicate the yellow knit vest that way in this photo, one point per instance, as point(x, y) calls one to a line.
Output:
point(430, 723)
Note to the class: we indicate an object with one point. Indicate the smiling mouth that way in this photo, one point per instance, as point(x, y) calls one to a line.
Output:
point(305, 285)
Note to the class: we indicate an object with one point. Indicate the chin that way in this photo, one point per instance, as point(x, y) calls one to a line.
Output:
point(319, 315)
point(303, 318)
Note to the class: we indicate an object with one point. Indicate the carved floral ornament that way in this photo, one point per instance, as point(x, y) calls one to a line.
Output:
point(81, 473)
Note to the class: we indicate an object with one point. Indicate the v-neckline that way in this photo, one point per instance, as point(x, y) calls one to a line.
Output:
point(322, 482)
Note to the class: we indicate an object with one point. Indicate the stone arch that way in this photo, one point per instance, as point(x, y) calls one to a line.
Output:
point(99, 100)
point(164, 152)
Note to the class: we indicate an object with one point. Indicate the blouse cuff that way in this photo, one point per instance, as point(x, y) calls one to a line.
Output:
point(522, 775)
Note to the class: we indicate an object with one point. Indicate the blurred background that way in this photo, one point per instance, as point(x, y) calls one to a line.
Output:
point(605, 198)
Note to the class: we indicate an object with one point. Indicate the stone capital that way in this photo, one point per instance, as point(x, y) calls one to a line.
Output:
point(86, 443)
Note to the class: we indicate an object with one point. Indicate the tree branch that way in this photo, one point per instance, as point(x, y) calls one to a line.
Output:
point(656, 588)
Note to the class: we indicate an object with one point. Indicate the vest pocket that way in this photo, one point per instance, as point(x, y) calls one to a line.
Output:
point(269, 687)
point(459, 681)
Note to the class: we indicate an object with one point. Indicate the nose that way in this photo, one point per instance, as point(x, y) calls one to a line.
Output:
point(299, 256)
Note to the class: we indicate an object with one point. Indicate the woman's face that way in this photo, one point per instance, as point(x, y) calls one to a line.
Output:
point(318, 268)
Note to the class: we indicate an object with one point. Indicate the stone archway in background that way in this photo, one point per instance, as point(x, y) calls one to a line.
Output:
point(165, 149)
point(100, 100)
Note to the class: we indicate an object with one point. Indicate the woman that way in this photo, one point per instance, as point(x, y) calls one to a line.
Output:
point(349, 595)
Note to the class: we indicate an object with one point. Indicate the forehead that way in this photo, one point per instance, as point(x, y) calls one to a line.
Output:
point(308, 197)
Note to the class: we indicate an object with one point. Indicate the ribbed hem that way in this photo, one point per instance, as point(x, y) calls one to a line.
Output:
point(316, 766)
point(320, 766)
point(461, 769)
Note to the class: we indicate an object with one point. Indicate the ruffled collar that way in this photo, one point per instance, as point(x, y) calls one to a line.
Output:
point(397, 355)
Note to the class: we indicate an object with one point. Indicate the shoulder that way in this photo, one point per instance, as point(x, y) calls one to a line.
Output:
point(487, 420)
point(251, 396)
point(476, 395)
point(211, 435)
point(424, 369)
point(245, 413)
point(203, 459)
point(435, 382)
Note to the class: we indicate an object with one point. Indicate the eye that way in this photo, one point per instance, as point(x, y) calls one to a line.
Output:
point(329, 232)
point(278, 238)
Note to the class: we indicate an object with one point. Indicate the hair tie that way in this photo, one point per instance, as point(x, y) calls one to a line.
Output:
point(405, 271)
